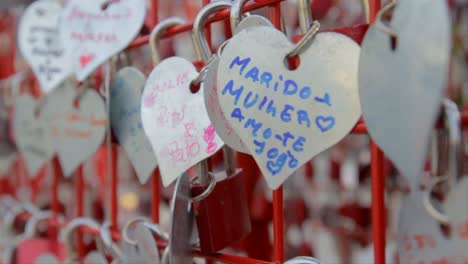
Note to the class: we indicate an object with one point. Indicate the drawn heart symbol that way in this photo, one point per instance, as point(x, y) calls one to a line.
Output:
point(89, 27)
point(77, 130)
point(125, 91)
point(286, 117)
point(31, 134)
point(401, 90)
point(85, 59)
point(40, 43)
point(175, 119)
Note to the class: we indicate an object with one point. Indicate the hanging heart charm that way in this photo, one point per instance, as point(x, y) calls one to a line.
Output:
point(175, 119)
point(78, 129)
point(401, 89)
point(97, 29)
point(125, 92)
point(286, 117)
point(41, 45)
point(31, 134)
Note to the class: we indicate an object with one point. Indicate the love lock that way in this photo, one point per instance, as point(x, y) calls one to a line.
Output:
point(303, 260)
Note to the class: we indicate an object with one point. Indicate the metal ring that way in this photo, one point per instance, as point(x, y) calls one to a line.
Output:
point(431, 210)
point(207, 191)
point(157, 230)
point(305, 15)
point(106, 238)
point(379, 23)
point(305, 41)
point(165, 256)
point(202, 72)
point(68, 231)
point(127, 225)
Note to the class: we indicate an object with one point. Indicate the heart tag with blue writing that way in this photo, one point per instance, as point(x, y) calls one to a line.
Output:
point(217, 117)
point(31, 134)
point(420, 237)
point(175, 119)
point(457, 210)
point(401, 89)
point(125, 92)
point(40, 43)
point(77, 125)
point(95, 30)
point(286, 117)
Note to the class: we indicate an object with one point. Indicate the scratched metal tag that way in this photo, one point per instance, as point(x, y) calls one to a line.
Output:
point(401, 89)
point(46, 259)
point(31, 135)
point(125, 92)
point(216, 115)
point(147, 248)
point(95, 30)
point(287, 117)
point(420, 239)
point(175, 119)
point(77, 131)
point(456, 206)
point(182, 223)
point(41, 45)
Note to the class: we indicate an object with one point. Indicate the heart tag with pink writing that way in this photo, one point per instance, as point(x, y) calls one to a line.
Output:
point(286, 117)
point(40, 43)
point(457, 210)
point(420, 238)
point(217, 117)
point(78, 129)
point(175, 119)
point(402, 81)
point(125, 92)
point(95, 30)
point(31, 134)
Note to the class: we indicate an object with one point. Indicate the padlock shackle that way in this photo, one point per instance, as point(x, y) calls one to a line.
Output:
point(67, 234)
point(157, 31)
point(304, 15)
point(154, 228)
point(202, 49)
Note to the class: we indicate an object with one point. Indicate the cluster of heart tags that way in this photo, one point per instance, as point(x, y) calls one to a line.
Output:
point(248, 99)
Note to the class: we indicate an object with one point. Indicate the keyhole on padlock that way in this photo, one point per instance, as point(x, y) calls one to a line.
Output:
point(292, 63)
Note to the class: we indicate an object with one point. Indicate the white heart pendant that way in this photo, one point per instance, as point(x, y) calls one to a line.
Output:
point(126, 89)
point(31, 134)
point(78, 130)
point(175, 119)
point(217, 117)
point(41, 45)
point(95, 33)
point(401, 90)
point(286, 117)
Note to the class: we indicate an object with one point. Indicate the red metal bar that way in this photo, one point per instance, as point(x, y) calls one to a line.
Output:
point(374, 7)
point(80, 188)
point(54, 200)
point(226, 258)
point(378, 204)
point(186, 27)
point(155, 183)
point(154, 13)
point(278, 210)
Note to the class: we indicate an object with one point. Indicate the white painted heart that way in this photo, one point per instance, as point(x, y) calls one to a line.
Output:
point(401, 90)
point(77, 130)
point(175, 119)
point(95, 33)
point(125, 91)
point(287, 117)
point(217, 117)
point(31, 134)
point(41, 45)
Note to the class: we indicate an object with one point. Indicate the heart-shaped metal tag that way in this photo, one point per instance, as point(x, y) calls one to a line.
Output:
point(78, 130)
point(175, 119)
point(420, 239)
point(47, 259)
point(97, 29)
point(31, 134)
point(219, 121)
point(126, 89)
point(41, 45)
point(401, 90)
point(286, 117)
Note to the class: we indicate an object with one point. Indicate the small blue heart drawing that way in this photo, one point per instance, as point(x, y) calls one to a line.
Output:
point(325, 123)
